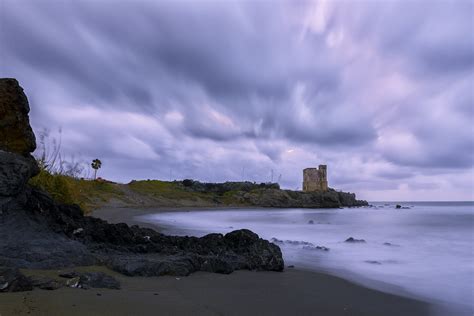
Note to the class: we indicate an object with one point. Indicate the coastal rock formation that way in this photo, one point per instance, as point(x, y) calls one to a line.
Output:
point(37, 232)
point(16, 135)
point(297, 199)
point(17, 140)
point(270, 195)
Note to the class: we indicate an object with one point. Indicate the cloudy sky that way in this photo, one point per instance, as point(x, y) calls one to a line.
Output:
point(380, 91)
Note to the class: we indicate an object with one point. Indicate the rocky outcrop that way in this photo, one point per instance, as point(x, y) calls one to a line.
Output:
point(298, 199)
point(270, 195)
point(17, 140)
point(16, 135)
point(37, 232)
point(42, 234)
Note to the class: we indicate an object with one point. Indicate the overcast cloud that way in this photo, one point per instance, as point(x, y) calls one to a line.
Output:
point(380, 91)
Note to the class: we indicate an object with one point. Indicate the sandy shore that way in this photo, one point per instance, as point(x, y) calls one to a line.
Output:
point(292, 292)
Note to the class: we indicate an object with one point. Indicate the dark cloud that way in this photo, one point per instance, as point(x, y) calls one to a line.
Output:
point(380, 91)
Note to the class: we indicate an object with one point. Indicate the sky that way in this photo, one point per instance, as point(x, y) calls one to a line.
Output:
point(380, 91)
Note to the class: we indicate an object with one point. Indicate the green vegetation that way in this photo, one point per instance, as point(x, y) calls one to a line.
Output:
point(88, 194)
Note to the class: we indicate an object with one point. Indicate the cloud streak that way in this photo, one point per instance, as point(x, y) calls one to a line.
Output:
point(381, 92)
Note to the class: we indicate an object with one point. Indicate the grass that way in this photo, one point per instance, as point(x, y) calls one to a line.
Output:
point(165, 189)
point(88, 194)
point(91, 194)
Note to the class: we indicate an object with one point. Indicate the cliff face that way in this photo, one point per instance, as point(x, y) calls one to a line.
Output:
point(37, 232)
point(297, 199)
point(17, 140)
point(270, 195)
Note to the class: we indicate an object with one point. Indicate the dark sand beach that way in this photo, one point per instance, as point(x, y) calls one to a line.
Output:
point(292, 292)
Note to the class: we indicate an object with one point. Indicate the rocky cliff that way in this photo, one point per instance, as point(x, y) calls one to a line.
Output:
point(37, 232)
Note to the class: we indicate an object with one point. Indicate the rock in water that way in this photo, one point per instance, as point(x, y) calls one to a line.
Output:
point(353, 240)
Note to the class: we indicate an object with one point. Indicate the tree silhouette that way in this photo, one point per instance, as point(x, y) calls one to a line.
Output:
point(96, 164)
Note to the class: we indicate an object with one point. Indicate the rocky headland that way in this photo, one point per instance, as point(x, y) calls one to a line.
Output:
point(37, 232)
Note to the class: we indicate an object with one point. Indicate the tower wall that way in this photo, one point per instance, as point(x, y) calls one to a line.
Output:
point(315, 179)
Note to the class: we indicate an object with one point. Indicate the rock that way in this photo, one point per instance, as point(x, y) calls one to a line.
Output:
point(15, 171)
point(98, 280)
point(353, 240)
point(290, 266)
point(390, 244)
point(311, 222)
point(74, 282)
point(277, 241)
point(90, 280)
point(398, 206)
point(69, 275)
point(16, 135)
point(12, 280)
point(372, 262)
point(316, 248)
point(45, 283)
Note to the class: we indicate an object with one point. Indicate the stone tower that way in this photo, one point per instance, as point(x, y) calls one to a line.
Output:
point(315, 179)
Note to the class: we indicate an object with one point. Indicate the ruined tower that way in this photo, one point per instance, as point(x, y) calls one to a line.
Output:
point(315, 179)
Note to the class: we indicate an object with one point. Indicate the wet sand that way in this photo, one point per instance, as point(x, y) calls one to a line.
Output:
point(292, 292)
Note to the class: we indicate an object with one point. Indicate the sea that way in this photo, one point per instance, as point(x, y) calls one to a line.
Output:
point(423, 250)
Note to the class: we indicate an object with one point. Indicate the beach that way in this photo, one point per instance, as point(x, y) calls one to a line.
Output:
point(292, 292)
point(295, 291)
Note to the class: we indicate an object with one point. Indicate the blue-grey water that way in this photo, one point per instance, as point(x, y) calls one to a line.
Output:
point(425, 251)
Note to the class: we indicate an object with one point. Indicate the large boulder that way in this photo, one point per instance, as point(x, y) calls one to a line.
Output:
point(17, 140)
point(16, 135)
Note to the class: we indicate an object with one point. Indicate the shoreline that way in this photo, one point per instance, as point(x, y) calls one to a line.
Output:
point(128, 215)
point(292, 292)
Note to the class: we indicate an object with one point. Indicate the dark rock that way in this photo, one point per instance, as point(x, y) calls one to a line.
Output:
point(12, 280)
point(98, 280)
point(398, 206)
point(88, 280)
point(45, 283)
point(311, 222)
point(16, 135)
point(316, 248)
point(353, 240)
point(15, 171)
point(277, 241)
point(69, 275)
point(290, 266)
point(372, 262)
point(390, 244)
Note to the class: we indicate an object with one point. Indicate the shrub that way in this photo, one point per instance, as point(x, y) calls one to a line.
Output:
point(60, 187)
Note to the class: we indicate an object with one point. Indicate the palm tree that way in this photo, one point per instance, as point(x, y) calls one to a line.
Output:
point(96, 164)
